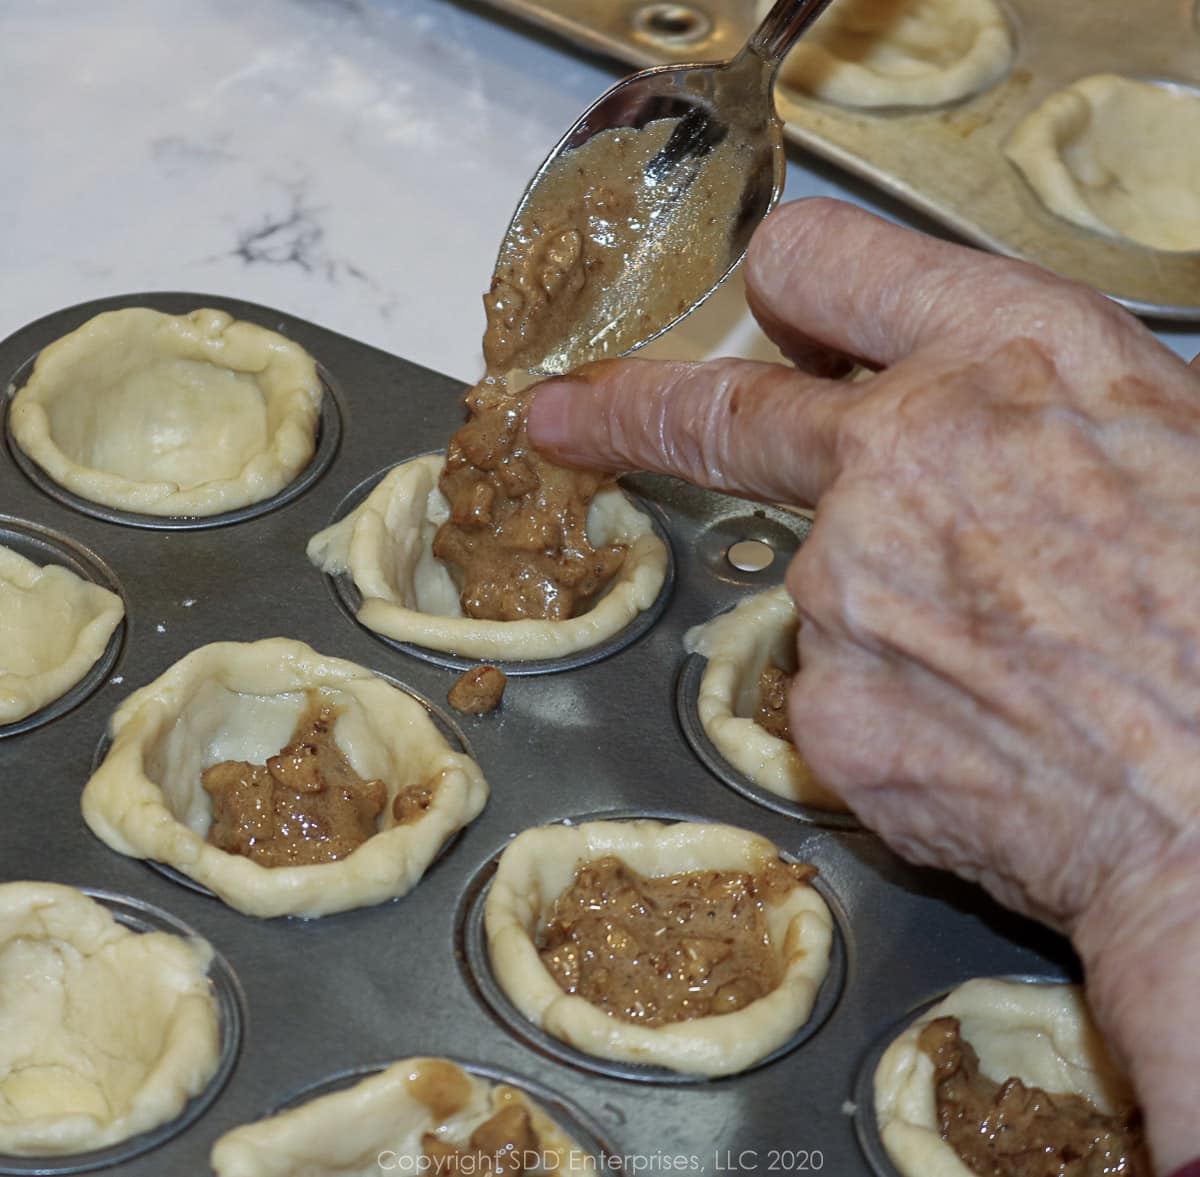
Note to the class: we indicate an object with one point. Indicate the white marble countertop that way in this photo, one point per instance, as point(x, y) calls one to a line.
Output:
point(354, 162)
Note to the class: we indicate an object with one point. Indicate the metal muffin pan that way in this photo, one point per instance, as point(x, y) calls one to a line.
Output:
point(335, 994)
point(947, 161)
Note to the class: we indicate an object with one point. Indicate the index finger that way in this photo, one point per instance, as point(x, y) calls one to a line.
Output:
point(758, 430)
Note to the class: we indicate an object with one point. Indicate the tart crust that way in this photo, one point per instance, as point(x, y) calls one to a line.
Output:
point(739, 645)
point(241, 701)
point(378, 1123)
point(871, 53)
point(1116, 156)
point(54, 626)
point(104, 1032)
point(1040, 1033)
point(539, 864)
point(170, 414)
point(408, 595)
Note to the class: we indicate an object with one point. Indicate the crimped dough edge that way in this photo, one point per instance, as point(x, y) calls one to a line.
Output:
point(284, 374)
point(1040, 1032)
point(539, 864)
point(122, 979)
point(354, 1132)
point(232, 700)
point(385, 544)
point(88, 612)
point(738, 645)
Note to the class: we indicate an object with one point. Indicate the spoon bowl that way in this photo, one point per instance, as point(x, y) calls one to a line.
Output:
point(644, 207)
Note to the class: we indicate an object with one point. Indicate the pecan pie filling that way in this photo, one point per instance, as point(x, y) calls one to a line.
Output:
point(653, 951)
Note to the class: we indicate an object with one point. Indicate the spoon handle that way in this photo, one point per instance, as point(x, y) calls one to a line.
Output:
point(782, 27)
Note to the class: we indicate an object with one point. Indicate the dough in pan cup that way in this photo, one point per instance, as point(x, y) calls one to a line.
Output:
point(54, 626)
point(378, 1124)
point(105, 1033)
point(875, 53)
point(541, 863)
point(408, 595)
point(241, 702)
point(739, 645)
point(1042, 1034)
point(170, 415)
point(1117, 156)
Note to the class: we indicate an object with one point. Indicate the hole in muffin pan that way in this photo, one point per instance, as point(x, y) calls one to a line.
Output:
point(449, 729)
point(564, 1114)
point(473, 958)
point(752, 549)
point(866, 1129)
point(43, 546)
point(751, 555)
point(687, 690)
point(349, 600)
point(231, 1015)
point(671, 24)
point(329, 436)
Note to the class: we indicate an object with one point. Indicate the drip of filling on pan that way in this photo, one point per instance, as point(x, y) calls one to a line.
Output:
point(516, 540)
point(659, 950)
point(1010, 1130)
point(772, 712)
point(305, 805)
point(478, 690)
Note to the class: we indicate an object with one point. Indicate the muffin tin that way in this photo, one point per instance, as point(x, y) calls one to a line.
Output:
point(331, 996)
point(947, 161)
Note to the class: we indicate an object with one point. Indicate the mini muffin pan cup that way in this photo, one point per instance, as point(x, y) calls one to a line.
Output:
point(142, 917)
point(863, 1100)
point(333, 995)
point(947, 161)
point(348, 598)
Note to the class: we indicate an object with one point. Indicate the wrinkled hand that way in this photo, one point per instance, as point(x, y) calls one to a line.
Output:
point(1000, 646)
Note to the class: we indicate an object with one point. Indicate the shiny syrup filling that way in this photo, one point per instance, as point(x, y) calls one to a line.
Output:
point(772, 711)
point(658, 950)
point(307, 804)
point(1011, 1130)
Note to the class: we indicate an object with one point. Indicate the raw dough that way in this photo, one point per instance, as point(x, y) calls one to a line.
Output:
point(738, 645)
point(540, 864)
point(408, 595)
point(241, 701)
point(170, 414)
point(1117, 156)
point(104, 1032)
point(869, 53)
point(378, 1123)
point(1042, 1034)
point(54, 626)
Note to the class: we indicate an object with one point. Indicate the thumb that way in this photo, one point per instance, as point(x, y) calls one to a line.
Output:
point(758, 430)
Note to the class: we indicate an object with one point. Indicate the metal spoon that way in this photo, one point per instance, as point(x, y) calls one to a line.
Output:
point(724, 114)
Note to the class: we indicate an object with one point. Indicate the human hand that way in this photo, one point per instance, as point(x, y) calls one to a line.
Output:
point(1000, 648)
